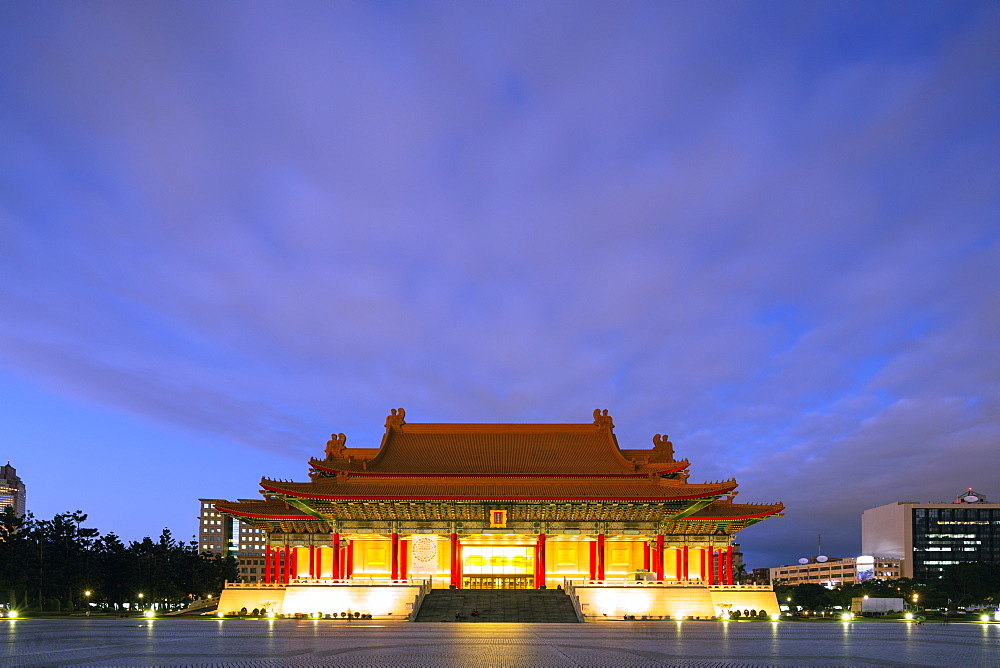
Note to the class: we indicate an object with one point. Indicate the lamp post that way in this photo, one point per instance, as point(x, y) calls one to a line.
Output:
point(86, 601)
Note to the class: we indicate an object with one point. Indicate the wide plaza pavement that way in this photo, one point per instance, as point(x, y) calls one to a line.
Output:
point(207, 642)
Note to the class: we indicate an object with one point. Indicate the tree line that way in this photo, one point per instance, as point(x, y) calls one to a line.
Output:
point(53, 564)
point(960, 585)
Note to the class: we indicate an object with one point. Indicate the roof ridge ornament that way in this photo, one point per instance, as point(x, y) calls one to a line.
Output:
point(396, 418)
point(602, 419)
point(335, 446)
point(663, 448)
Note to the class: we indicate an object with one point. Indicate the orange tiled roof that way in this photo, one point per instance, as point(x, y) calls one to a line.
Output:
point(266, 509)
point(447, 489)
point(498, 450)
point(726, 510)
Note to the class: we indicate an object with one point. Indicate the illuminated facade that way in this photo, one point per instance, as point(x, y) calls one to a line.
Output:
point(498, 506)
point(12, 490)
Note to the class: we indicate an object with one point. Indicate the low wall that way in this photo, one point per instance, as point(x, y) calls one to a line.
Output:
point(268, 597)
point(741, 598)
point(390, 601)
point(611, 601)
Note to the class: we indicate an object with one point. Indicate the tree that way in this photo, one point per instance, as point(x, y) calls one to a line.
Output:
point(55, 561)
point(808, 596)
point(969, 583)
point(17, 555)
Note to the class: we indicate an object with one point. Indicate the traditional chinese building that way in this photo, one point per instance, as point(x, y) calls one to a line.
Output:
point(498, 506)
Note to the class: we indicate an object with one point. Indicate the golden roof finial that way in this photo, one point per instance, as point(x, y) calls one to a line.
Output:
point(602, 419)
point(396, 418)
point(335, 446)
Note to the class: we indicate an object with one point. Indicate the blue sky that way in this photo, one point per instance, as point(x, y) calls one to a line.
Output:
point(769, 230)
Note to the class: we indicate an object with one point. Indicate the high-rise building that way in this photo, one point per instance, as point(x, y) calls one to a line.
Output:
point(224, 535)
point(12, 490)
point(929, 536)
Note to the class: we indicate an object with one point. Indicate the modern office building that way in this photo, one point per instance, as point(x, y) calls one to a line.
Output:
point(12, 490)
point(929, 536)
point(500, 506)
point(834, 571)
point(224, 535)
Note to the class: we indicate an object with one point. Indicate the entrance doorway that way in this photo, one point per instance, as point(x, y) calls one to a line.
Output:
point(498, 566)
point(498, 582)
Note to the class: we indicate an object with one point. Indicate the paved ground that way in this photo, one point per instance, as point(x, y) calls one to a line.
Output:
point(205, 642)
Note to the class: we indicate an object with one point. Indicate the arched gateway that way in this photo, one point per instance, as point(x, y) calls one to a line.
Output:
point(500, 506)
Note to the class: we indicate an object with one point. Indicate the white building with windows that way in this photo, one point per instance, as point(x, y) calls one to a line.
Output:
point(223, 535)
point(834, 571)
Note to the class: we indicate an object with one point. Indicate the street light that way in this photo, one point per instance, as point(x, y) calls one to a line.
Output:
point(86, 595)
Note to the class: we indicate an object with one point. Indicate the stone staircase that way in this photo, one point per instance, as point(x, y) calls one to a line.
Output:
point(497, 605)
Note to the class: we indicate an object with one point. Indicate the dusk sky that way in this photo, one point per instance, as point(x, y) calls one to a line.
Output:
point(770, 230)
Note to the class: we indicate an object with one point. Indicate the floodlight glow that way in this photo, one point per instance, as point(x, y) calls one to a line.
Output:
point(775, 616)
point(847, 616)
point(984, 618)
point(12, 614)
point(908, 615)
point(219, 615)
point(270, 615)
point(149, 613)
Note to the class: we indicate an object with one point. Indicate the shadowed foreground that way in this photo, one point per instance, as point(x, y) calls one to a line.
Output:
point(205, 642)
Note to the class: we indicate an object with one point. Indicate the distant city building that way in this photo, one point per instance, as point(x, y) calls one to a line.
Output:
point(834, 571)
point(12, 490)
point(929, 536)
point(223, 535)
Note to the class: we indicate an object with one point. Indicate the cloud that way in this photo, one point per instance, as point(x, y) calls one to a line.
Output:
point(769, 234)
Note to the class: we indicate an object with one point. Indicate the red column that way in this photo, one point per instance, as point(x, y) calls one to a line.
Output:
point(348, 569)
point(702, 561)
point(288, 564)
point(684, 563)
point(645, 554)
point(540, 562)
point(659, 556)
point(402, 559)
point(456, 573)
point(600, 556)
point(267, 563)
point(335, 566)
point(729, 564)
point(593, 560)
point(394, 551)
point(711, 566)
point(312, 561)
